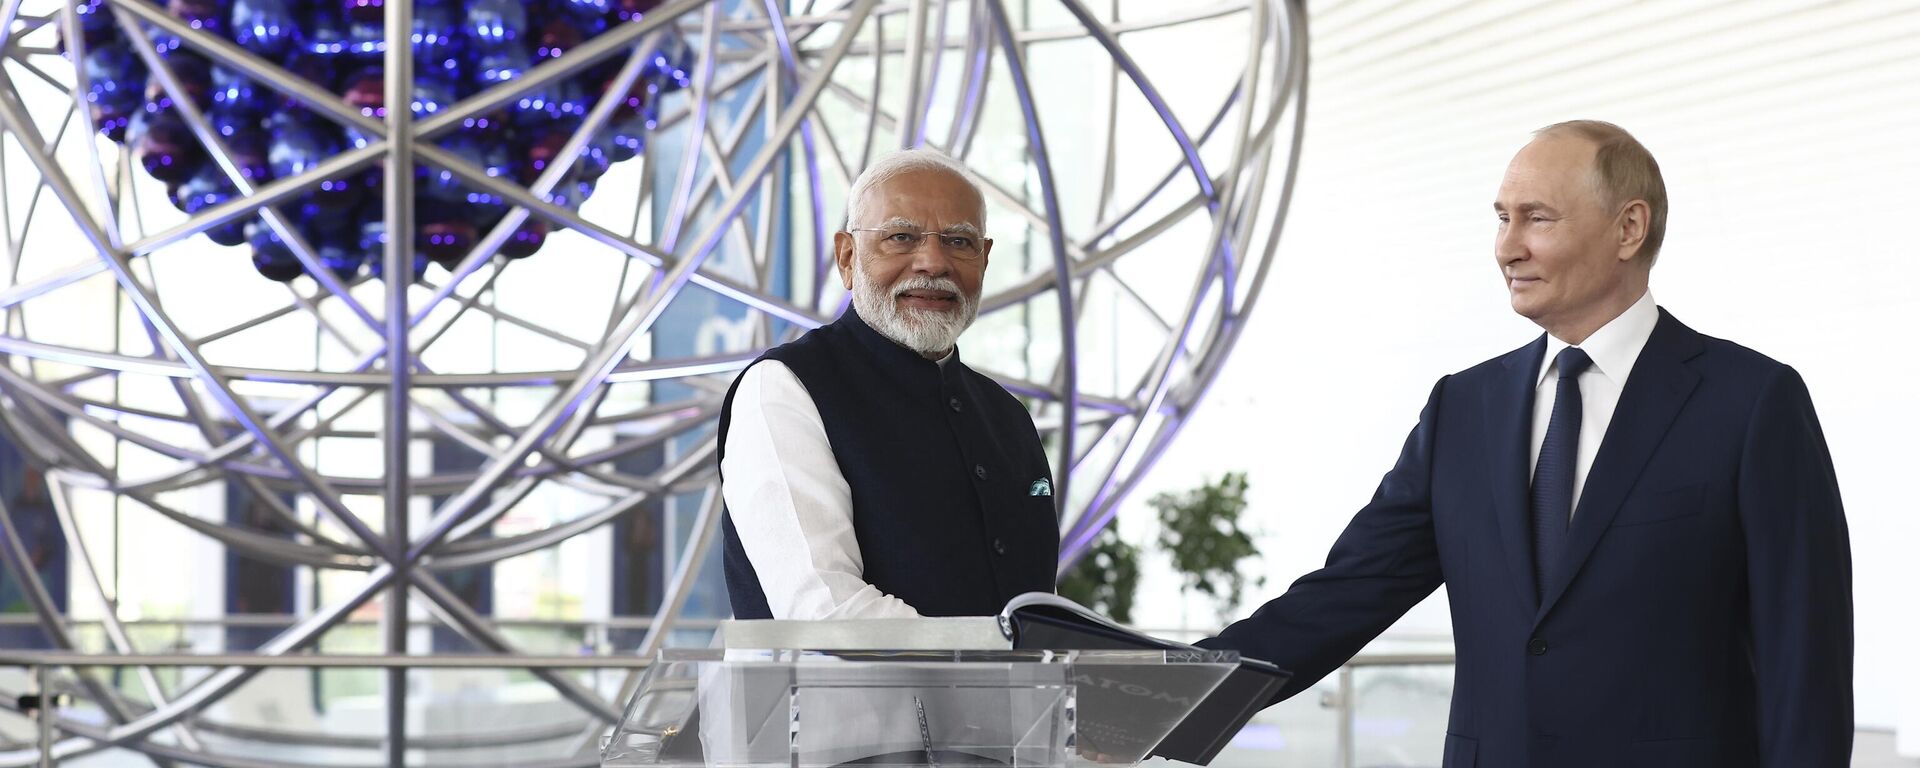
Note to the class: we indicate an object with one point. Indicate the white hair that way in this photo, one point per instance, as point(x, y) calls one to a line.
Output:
point(895, 164)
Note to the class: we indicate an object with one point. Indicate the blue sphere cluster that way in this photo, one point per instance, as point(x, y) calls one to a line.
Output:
point(460, 47)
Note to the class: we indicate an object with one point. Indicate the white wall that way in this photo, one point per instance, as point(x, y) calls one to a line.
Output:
point(1789, 134)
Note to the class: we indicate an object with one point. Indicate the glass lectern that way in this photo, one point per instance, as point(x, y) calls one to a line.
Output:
point(742, 707)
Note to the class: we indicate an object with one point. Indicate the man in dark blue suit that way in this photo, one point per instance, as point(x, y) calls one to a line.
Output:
point(1638, 525)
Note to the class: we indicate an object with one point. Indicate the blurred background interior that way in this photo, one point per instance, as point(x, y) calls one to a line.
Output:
point(1273, 220)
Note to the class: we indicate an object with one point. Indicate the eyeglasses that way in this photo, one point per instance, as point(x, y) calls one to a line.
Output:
point(895, 241)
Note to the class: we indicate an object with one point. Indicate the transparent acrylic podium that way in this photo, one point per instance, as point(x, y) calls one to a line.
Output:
point(735, 708)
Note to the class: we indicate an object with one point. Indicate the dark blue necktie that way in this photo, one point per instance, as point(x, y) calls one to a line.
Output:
point(1553, 473)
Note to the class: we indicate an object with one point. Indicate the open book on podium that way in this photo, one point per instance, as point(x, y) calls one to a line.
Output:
point(1049, 621)
point(936, 692)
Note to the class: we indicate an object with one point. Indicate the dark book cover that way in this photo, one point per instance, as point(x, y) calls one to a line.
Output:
point(1113, 715)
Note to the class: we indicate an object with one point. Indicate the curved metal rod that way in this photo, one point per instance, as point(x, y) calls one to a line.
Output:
point(1293, 61)
point(166, 753)
point(677, 209)
point(462, 618)
point(19, 292)
point(219, 684)
point(331, 106)
point(640, 318)
point(810, 155)
point(286, 415)
point(1056, 236)
point(651, 370)
point(504, 501)
point(398, 375)
point(10, 114)
point(489, 738)
point(210, 433)
point(196, 473)
point(222, 157)
point(13, 557)
point(109, 617)
point(76, 44)
point(436, 484)
point(923, 107)
point(916, 61)
point(1221, 263)
point(978, 55)
point(484, 249)
point(693, 556)
point(1125, 60)
point(1203, 369)
point(1106, 228)
point(873, 101)
point(485, 551)
point(1162, 372)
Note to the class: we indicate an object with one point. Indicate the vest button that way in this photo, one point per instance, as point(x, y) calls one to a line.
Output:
point(999, 547)
point(954, 403)
point(979, 470)
point(1537, 647)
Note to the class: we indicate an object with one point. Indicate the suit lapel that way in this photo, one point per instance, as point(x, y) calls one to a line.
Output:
point(1656, 389)
point(1509, 424)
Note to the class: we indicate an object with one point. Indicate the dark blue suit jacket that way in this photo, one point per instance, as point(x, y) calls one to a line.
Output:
point(1702, 614)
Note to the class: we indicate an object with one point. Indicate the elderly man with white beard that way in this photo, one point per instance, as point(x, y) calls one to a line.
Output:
point(867, 471)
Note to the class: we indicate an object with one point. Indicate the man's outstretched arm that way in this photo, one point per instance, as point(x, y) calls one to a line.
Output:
point(1383, 564)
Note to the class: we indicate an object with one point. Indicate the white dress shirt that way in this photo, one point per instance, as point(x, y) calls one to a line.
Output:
point(791, 507)
point(1613, 348)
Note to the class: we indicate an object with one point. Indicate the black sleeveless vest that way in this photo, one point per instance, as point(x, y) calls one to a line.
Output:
point(952, 493)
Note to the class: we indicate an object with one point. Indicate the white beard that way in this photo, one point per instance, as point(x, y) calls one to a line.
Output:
point(928, 332)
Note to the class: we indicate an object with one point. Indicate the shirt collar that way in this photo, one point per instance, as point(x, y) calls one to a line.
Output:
point(1614, 347)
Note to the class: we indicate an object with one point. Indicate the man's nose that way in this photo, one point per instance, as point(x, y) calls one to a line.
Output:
point(929, 258)
point(1508, 247)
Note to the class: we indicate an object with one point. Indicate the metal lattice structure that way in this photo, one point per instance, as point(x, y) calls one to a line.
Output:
point(1138, 258)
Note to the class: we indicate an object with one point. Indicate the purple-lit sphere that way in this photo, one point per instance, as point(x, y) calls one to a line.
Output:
point(525, 240)
point(558, 36)
point(168, 150)
point(249, 150)
point(265, 27)
point(195, 77)
point(112, 97)
point(430, 95)
point(445, 234)
point(340, 259)
point(204, 15)
point(435, 30)
point(491, 23)
point(271, 256)
point(500, 64)
point(366, 41)
point(96, 22)
point(323, 33)
point(633, 10)
point(299, 143)
point(364, 11)
point(460, 48)
point(207, 188)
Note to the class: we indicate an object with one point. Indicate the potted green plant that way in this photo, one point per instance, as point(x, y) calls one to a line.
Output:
point(1106, 577)
point(1200, 530)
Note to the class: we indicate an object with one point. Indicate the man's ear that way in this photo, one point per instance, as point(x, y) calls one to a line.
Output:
point(843, 257)
point(986, 250)
point(1632, 228)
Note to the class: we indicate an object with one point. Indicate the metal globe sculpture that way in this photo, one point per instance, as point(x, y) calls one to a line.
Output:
point(680, 165)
